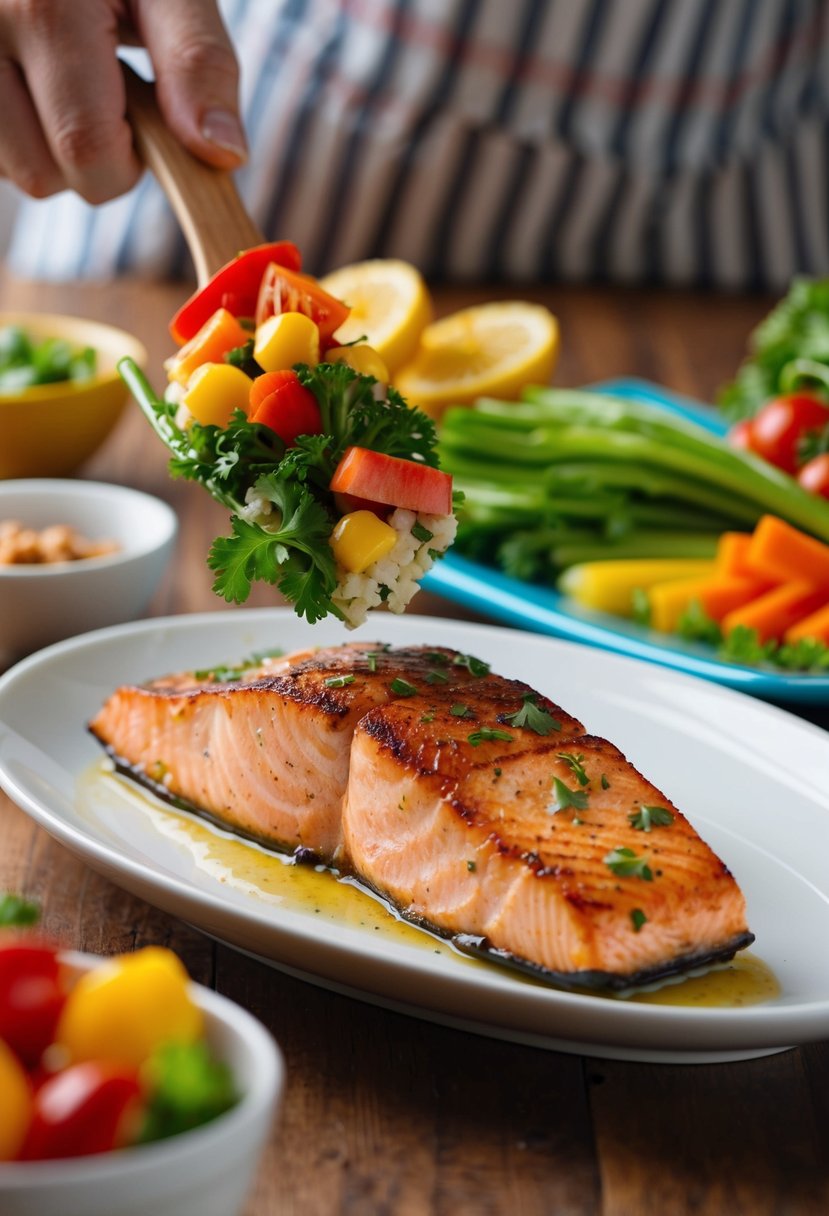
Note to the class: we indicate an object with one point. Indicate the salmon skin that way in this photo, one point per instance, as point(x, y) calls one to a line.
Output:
point(475, 805)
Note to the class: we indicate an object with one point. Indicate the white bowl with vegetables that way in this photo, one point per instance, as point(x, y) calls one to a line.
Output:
point(202, 1170)
point(75, 556)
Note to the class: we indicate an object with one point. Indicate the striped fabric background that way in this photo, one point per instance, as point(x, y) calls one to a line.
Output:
point(676, 141)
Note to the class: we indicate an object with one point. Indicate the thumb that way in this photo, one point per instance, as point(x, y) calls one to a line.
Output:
point(197, 77)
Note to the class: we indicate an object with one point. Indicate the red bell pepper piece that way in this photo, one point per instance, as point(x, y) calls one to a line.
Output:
point(234, 287)
point(390, 480)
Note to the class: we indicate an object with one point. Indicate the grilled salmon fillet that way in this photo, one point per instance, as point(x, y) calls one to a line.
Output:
point(548, 851)
point(266, 752)
point(473, 803)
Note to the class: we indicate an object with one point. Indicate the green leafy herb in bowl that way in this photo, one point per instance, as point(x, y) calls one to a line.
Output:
point(27, 360)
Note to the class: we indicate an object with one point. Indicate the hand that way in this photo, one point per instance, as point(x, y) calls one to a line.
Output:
point(62, 93)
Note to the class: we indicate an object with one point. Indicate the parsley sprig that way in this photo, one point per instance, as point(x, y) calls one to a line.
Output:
point(648, 817)
point(563, 797)
point(624, 863)
point(533, 717)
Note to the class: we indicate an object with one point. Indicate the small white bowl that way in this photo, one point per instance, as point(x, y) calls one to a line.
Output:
point(205, 1172)
point(45, 603)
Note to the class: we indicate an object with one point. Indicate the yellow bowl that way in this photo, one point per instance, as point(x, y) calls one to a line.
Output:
point(50, 429)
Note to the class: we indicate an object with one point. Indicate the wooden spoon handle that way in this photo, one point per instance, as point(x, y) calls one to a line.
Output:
point(213, 218)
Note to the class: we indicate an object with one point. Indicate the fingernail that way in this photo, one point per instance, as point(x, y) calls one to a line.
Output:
point(223, 129)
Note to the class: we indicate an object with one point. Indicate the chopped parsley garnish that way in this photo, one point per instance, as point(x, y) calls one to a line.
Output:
point(421, 533)
point(427, 717)
point(532, 717)
point(471, 867)
point(437, 677)
point(488, 734)
point(563, 797)
point(475, 667)
point(605, 782)
point(624, 863)
point(224, 673)
point(648, 817)
point(402, 687)
point(461, 711)
point(576, 766)
point(638, 919)
point(497, 771)
point(437, 657)
point(339, 681)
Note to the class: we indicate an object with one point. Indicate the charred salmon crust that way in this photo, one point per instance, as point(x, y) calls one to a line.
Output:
point(267, 754)
point(560, 855)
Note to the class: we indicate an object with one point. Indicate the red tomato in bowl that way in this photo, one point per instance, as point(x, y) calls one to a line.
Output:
point(778, 429)
point(814, 475)
point(86, 1108)
point(31, 997)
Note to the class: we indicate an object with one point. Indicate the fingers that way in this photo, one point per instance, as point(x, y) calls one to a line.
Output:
point(197, 77)
point(66, 54)
point(25, 157)
point(62, 93)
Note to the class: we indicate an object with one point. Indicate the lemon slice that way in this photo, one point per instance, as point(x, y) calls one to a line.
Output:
point(390, 307)
point(490, 350)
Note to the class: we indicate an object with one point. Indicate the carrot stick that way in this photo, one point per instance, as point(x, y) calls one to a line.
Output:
point(776, 611)
point(724, 594)
point(732, 551)
point(219, 334)
point(783, 553)
point(816, 626)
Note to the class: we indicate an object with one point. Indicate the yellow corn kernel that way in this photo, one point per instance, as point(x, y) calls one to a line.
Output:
point(126, 1008)
point(286, 339)
point(362, 358)
point(359, 539)
point(214, 391)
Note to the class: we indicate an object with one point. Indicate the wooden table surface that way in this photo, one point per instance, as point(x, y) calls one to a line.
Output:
point(387, 1114)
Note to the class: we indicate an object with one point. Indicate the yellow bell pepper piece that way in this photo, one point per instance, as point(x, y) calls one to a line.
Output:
point(16, 1104)
point(126, 1008)
point(608, 586)
point(214, 391)
point(359, 539)
point(286, 339)
point(362, 358)
point(668, 601)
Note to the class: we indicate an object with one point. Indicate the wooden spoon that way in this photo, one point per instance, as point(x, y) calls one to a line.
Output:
point(213, 218)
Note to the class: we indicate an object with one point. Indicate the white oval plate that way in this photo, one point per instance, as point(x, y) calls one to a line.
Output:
point(751, 778)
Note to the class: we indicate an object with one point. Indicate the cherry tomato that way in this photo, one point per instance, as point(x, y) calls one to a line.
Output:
point(814, 475)
point(31, 996)
point(234, 287)
point(279, 401)
point(741, 435)
point(388, 479)
point(283, 290)
point(87, 1108)
point(781, 424)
